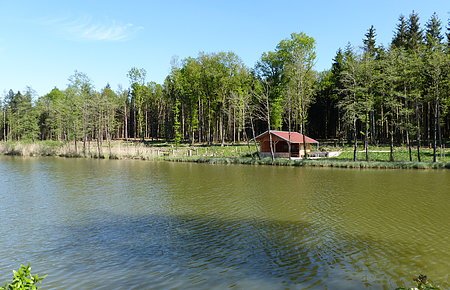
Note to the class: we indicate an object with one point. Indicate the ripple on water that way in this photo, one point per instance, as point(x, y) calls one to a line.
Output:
point(137, 225)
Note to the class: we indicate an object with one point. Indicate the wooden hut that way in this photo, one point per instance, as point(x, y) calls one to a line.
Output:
point(282, 141)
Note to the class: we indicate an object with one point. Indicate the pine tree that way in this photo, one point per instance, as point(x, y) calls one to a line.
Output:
point(448, 35)
point(22, 117)
point(433, 35)
point(337, 87)
point(400, 39)
point(336, 69)
point(369, 42)
point(414, 33)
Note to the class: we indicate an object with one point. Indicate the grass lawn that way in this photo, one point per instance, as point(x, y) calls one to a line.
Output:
point(400, 154)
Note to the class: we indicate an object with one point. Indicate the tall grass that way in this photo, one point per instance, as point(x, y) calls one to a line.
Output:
point(30, 149)
point(120, 150)
point(236, 154)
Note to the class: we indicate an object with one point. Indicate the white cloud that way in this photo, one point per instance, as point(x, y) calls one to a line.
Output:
point(89, 29)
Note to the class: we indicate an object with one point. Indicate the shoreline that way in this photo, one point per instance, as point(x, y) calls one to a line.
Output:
point(207, 155)
point(331, 163)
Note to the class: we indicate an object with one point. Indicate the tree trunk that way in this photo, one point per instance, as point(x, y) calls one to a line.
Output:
point(418, 132)
point(99, 144)
point(373, 128)
point(200, 121)
point(254, 135)
point(146, 123)
point(391, 146)
point(439, 130)
point(84, 144)
point(338, 133)
point(234, 125)
point(305, 156)
point(272, 154)
point(108, 139)
point(436, 107)
point(381, 128)
point(355, 141)
point(366, 139)
point(125, 119)
point(408, 142)
point(75, 138)
point(222, 130)
point(272, 151)
point(183, 122)
point(4, 126)
point(289, 127)
point(134, 121)
point(428, 124)
point(209, 123)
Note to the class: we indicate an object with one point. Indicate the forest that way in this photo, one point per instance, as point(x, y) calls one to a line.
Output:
point(394, 95)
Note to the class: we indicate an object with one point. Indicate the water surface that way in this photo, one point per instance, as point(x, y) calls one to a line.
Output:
point(99, 224)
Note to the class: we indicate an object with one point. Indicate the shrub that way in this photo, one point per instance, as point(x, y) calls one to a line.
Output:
point(23, 280)
point(422, 283)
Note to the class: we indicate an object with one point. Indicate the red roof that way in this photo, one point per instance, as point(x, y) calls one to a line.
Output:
point(293, 137)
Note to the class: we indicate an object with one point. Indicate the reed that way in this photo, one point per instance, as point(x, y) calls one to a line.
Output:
point(238, 154)
point(118, 150)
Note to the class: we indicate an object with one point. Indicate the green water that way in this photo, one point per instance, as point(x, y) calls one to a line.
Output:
point(100, 224)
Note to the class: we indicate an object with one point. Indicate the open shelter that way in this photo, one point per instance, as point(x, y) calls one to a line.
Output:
point(282, 141)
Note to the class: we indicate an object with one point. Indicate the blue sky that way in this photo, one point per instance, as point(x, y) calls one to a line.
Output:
point(43, 42)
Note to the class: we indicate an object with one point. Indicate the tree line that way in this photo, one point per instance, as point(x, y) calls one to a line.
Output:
point(396, 95)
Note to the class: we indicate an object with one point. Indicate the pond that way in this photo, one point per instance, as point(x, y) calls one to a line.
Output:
point(117, 224)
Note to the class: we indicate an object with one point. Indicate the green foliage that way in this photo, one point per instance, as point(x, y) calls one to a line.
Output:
point(370, 42)
point(139, 92)
point(288, 71)
point(21, 116)
point(80, 106)
point(433, 35)
point(176, 124)
point(414, 33)
point(400, 39)
point(23, 280)
point(52, 110)
point(213, 89)
point(422, 283)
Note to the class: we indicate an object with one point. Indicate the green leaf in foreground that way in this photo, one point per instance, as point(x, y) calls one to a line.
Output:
point(422, 283)
point(23, 280)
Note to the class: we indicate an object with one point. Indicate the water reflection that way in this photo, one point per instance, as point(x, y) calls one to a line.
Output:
point(208, 252)
point(139, 225)
point(204, 251)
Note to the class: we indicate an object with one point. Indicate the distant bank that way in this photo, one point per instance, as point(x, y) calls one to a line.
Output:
point(230, 154)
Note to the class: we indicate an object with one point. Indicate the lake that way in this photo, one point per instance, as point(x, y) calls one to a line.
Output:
point(115, 224)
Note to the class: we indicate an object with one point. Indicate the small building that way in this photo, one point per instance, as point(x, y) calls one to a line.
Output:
point(281, 141)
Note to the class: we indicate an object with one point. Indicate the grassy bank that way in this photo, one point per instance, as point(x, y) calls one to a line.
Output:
point(231, 154)
point(378, 158)
point(313, 163)
point(400, 154)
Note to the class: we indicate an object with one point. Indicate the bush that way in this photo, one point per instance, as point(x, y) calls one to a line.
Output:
point(23, 280)
point(422, 283)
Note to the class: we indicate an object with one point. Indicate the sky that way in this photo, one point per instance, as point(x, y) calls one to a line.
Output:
point(43, 43)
